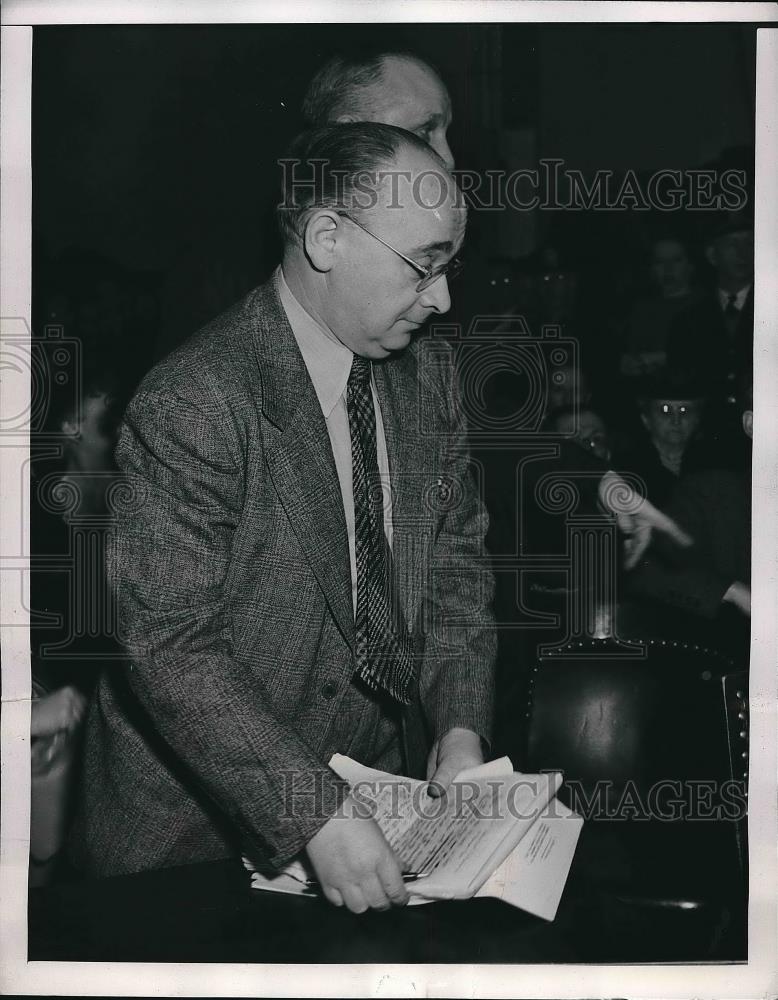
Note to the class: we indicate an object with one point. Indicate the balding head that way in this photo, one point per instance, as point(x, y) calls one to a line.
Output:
point(393, 88)
point(372, 222)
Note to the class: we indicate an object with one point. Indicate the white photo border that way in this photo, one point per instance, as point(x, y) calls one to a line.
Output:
point(757, 977)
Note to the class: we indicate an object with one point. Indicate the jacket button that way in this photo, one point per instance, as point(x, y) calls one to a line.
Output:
point(328, 690)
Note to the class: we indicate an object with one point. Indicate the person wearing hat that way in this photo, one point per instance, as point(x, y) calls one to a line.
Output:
point(711, 579)
point(671, 406)
point(718, 342)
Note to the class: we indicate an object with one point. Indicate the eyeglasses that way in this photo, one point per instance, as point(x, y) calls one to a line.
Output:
point(671, 410)
point(429, 275)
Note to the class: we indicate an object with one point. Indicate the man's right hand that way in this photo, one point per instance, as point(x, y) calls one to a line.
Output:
point(354, 863)
point(739, 594)
point(60, 711)
point(636, 518)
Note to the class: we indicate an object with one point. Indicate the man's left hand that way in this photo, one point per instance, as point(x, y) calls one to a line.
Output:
point(456, 750)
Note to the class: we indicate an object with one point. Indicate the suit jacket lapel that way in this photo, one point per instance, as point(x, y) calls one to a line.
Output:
point(299, 457)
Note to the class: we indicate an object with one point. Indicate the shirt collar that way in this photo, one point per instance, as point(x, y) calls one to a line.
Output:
point(740, 297)
point(327, 360)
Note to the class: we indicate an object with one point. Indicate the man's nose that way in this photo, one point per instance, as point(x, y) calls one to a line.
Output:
point(436, 296)
point(443, 150)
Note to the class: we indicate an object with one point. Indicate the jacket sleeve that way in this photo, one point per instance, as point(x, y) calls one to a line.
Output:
point(169, 568)
point(457, 677)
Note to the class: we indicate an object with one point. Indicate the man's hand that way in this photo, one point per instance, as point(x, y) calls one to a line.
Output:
point(60, 711)
point(452, 753)
point(739, 594)
point(354, 863)
point(636, 518)
point(55, 717)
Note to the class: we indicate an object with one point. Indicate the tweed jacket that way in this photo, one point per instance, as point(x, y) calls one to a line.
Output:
point(231, 571)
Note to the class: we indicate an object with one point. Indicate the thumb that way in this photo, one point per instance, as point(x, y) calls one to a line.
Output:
point(442, 778)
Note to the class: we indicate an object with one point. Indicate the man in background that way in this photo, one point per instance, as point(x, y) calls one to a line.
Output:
point(393, 88)
point(396, 88)
point(717, 342)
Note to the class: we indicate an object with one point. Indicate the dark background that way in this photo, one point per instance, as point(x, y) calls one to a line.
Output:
point(154, 147)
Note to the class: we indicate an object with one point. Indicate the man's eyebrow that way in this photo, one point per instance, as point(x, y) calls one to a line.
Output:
point(443, 246)
point(432, 122)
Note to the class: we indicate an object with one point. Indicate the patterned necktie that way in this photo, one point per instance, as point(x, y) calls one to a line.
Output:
point(383, 647)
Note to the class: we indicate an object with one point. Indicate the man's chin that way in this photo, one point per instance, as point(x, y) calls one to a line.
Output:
point(399, 339)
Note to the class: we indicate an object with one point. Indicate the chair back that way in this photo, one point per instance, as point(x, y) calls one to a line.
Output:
point(609, 722)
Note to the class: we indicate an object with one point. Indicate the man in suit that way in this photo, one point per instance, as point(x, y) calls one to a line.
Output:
point(274, 611)
point(715, 339)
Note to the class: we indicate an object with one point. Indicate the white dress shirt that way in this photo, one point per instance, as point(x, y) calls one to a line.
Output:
point(329, 364)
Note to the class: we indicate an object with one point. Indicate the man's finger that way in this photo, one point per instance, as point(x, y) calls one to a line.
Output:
point(374, 894)
point(661, 522)
point(666, 525)
point(432, 761)
point(353, 898)
point(391, 880)
point(442, 778)
point(333, 895)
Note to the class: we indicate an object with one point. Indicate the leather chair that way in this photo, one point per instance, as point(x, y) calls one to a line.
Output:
point(647, 744)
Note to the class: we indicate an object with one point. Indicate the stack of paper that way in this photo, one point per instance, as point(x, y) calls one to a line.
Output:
point(496, 833)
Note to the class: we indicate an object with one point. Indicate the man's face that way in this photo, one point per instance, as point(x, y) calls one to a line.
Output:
point(672, 422)
point(94, 436)
point(671, 269)
point(412, 97)
point(733, 257)
point(590, 432)
point(372, 302)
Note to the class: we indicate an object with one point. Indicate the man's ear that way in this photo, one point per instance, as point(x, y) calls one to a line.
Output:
point(748, 422)
point(644, 420)
point(321, 239)
point(71, 428)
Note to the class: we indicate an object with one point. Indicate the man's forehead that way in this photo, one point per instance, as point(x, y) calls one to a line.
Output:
point(415, 178)
point(420, 189)
point(408, 87)
point(430, 225)
point(675, 403)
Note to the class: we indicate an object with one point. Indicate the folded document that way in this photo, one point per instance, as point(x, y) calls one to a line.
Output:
point(496, 833)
